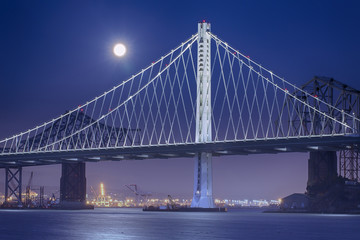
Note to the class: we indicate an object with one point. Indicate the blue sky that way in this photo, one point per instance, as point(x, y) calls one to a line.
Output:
point(55, 55)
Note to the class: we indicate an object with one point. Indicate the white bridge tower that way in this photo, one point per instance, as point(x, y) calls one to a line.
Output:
point(203, 167)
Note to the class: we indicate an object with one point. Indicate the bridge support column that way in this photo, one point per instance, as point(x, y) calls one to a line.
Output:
point(73, 186)
point(203, 181)
point(322, 172)
point(203, 161)
point(13, 181)
point(324, 191)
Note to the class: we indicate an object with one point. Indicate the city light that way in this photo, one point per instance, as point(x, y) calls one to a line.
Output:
point(128, 200)
point(102, 189)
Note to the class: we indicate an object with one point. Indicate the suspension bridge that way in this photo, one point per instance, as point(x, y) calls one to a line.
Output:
point(204, 98)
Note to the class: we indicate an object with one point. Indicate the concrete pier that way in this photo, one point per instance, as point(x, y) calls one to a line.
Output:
point(73, 186)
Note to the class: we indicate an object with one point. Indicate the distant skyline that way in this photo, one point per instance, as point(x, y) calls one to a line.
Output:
point(56, 55)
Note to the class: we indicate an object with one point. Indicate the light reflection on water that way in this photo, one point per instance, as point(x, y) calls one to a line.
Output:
point(134, 224)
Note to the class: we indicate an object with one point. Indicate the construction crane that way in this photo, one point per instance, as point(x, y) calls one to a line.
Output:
point(134, 189)
point(171, 205)
point(94, 192)
point(28, 198)
point(28, 191)
point(53, 199)
point(41, 198)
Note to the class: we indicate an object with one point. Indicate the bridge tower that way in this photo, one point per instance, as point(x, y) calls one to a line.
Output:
point(203, 160)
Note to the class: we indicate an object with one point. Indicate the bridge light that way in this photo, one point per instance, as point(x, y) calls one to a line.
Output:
point(315, 96)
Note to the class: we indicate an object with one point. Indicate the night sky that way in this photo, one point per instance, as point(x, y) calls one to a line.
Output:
point(55, 55)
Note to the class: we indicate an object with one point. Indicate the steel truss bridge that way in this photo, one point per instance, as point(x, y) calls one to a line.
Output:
point(204, 98)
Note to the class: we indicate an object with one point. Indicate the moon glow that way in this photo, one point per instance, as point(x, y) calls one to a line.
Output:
point(119, 50)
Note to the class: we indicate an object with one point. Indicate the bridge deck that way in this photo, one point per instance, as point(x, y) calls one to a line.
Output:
point(328, 143)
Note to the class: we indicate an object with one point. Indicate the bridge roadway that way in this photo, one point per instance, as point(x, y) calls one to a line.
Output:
point(301, 144)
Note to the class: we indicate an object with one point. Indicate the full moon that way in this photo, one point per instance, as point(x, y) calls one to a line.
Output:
point(119, 50)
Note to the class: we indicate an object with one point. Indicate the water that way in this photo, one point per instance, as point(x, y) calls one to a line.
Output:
point(109, 224)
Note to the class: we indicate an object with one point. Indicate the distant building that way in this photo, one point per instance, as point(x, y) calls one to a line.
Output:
point(295, 201)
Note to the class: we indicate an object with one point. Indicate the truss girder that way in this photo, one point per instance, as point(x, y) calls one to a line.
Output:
point(342, 104)
point(347, 99)
point(349, 164)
